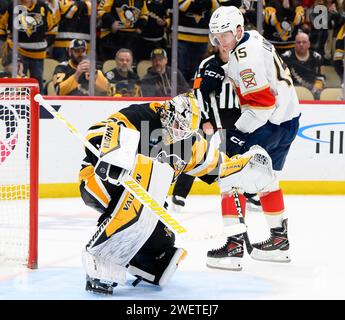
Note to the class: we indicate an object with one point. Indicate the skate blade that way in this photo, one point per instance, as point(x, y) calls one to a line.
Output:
point(271, 256)
point(233, 264)
point(98, 290)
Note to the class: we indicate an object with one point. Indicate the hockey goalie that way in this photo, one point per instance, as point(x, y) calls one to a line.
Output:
point(152, 143)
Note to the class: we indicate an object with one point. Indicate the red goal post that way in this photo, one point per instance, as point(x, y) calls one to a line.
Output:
point(19, 122)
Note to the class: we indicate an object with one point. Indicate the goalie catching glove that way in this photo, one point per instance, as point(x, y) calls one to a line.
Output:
point(250, 172)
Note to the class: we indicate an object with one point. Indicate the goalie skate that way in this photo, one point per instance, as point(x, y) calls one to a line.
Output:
point(229, 256)
point(99, 286)
point(274, 249)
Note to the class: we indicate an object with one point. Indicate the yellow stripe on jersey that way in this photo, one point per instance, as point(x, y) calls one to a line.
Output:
point(94, 185)
point(192, 38)
point(111, 138)
point(184, 5)
point(155, 106)
point(96, 132)
point(86, 173)
point(198, 153)
point(67, 86)
point(209, 165)
point(235, 164)
point(121, 117)
point(340, 34)
point(202, 163)
point(195, 115)
point(130, 207)
point(248, 106)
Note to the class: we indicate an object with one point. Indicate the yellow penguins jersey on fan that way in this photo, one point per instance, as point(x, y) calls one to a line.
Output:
point(281, 26)
point(65, 82)
point(132, 15)
point(338, 56)
point(35, 25)
point(75, 22)
point(194, 17)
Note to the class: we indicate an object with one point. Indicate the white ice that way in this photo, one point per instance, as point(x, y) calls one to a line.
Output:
point(317, 270)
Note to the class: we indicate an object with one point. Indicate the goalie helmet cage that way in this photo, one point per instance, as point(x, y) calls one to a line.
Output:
point(19, 120)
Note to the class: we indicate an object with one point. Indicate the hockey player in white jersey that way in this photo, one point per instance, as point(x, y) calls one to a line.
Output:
point(269, 118)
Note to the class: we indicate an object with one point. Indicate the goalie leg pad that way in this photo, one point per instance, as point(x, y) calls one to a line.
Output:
point(125, 231)
point(159, 269)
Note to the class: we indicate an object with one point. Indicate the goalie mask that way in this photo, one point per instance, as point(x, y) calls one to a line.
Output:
point(225, 19)
point(180, 118)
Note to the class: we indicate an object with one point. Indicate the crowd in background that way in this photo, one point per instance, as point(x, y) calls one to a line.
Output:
point(134, 37)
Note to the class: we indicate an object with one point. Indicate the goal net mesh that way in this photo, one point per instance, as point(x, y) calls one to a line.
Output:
point(14, 174)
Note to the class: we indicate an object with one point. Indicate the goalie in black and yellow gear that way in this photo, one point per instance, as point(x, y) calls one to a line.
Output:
point(153, 143)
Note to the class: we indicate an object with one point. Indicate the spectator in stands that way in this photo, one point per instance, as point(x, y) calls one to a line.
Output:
point(323, 31)
point(121, 24)
point(54, 6)
point(282, 18)
point(6, 62)
point(35, 34)
point(249, 11)
point(72, 77)
point(156, 83)
point(74, 24)
point(338, 58)
point(194, 17)
point(153, 34)
point(123, 80)
point(3, 9)
point(304, 65)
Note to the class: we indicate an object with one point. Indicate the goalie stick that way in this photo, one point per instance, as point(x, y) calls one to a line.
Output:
point(127, 181)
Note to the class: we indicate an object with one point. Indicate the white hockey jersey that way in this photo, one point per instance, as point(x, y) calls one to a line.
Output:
point(263, 83)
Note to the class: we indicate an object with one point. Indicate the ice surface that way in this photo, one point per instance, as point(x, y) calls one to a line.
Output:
point(316, 232)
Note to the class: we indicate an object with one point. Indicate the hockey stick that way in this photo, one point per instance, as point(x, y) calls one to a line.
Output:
point(127, 181)
point(241, 218)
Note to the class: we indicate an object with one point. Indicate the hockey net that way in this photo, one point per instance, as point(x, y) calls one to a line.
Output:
point(19, 115)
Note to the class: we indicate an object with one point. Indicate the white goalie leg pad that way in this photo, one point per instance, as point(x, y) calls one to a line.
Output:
point(118, 249)
point(103, 268)
point(250, 172)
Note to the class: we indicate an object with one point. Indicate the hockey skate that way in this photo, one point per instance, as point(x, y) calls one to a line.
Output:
point(229, 256)
point(276, 248)
point(177, 203)
point(99, 286)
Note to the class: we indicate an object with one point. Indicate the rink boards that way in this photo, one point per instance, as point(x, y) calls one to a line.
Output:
point(315, 164)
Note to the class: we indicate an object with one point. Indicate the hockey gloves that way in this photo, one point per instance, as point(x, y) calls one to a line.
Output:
point(235, 142)
point(212, 80)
